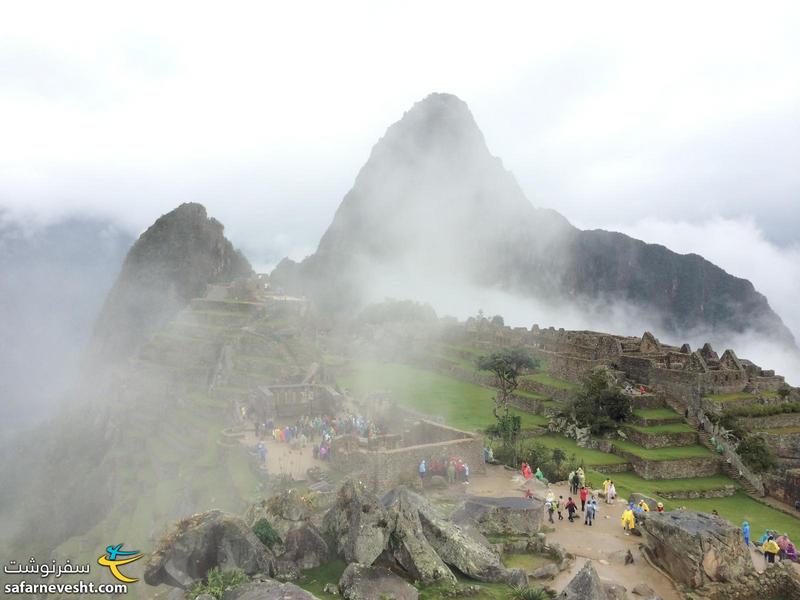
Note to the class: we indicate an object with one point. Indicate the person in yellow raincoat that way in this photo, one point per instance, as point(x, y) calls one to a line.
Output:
point(643, 506)
point(771, 549)
point(628, 520)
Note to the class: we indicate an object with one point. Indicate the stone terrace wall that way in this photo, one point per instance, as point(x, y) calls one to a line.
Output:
point(383, 468)
point(427, 432)
point(671, 469)
point(782, 420)
point(661, 440)
point(785, 445)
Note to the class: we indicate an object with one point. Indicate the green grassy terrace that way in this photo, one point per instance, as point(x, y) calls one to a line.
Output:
point(655, 414)
point(588, 456)
point(550, 381)
point(669, 453)
point(670, 428)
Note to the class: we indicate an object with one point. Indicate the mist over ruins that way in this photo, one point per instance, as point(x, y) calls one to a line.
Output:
point(458, 390)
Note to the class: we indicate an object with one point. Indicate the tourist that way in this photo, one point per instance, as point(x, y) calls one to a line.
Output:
point(466, 474)
point(584, 496)
point(606, 483)
point(262, 452)
point(643, 506)
point(771, 550)
point(660, 507)
point(451, 472)
point(628, 520)
point(746, 533)
point(423, 468)
point(612, 492)
point(576, 482)
point(559, 505)
point(570, 477)
point(571, 509)
point(550, 506)
point(581, 477)
point(591, 510)
point(539, 475)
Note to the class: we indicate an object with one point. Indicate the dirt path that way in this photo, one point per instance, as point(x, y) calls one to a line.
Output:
point(283, 459)
point(600, 542)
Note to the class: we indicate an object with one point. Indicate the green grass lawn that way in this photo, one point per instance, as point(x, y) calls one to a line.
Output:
point(553, 382)
point(462, 404)
point(736, 508)
point(734, 397)
point(669, 453)
point(588, 456)
point(670, 428)
point(653, 414)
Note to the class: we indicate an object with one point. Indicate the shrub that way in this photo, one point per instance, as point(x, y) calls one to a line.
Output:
point(216, 582)
point(266, 533)
point(755, 453)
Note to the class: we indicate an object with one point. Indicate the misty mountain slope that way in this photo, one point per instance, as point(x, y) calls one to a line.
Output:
point(124, 469)
point(433, 208)
point(52, 284)
point(170, 263)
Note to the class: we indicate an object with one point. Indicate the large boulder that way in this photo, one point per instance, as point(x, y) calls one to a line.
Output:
point(408, 547)
point(357, 524)
point(285, 510)
point(587, 585)
point(362, 582)
point(202, 542)
point(461, 550)
point(268, 590)
point(305, 547)
point(501, 516)
point(695, 548)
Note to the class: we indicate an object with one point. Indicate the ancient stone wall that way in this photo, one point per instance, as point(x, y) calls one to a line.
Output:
point(661, 440)
point(772, 421)
point(723, 492)
point(785, 445)
point(671, 469)
point(384, 468)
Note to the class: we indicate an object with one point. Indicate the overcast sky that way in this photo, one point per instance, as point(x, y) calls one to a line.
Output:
point(656, 122)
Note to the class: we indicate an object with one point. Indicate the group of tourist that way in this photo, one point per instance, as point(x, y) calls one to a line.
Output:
point(527, 474)
point(632, 511)
point(556, 506)
point(773, 546)
point(453, 468)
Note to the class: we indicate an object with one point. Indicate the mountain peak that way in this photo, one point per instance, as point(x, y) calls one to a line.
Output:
point(171, 263)
point(439, 124)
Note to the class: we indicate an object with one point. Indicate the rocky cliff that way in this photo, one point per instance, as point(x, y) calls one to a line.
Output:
point(171, 263)
point(432, 205)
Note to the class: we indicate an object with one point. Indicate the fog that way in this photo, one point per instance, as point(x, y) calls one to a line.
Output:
point(677, 125)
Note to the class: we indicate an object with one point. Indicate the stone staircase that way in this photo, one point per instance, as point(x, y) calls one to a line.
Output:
point(705, 439)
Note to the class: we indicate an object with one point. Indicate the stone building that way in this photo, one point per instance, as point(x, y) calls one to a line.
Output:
point(294, 400)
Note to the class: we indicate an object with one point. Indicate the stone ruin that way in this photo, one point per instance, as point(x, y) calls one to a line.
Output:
point(677, 372)
point(386, 460)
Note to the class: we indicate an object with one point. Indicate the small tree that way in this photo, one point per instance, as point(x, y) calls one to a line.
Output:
point(599, 405)
point(506, 365)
